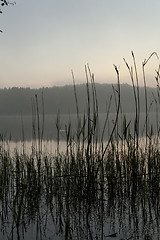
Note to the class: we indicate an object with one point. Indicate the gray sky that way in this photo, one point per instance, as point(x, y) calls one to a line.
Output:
point(43, 40)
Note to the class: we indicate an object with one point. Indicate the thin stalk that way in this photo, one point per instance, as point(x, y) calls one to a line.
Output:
point(77, 111)
point(146, 101)
point(75, 94)
point(58, 131)
point(106, 120)
point(145, 89)
point(130, 69)
point(88, 112)
point(33, 126)
point(42, 131)
point(23, 138)
point(117, 114)
point(95, 120)
point(138, 101)
point(38, 124)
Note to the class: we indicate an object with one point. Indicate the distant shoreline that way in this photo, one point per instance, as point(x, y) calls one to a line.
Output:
point(16, 101)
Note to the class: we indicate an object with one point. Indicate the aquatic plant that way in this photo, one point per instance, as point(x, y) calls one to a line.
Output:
point(105, 183)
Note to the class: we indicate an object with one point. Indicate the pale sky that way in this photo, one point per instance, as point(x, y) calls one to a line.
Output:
point(42, 41)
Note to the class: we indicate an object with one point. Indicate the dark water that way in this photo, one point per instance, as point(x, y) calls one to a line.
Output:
point(19, 128)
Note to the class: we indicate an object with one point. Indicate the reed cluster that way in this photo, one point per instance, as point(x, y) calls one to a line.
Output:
point(107, 180)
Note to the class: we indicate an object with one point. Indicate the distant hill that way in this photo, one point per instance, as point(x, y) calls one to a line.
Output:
point(21, 100)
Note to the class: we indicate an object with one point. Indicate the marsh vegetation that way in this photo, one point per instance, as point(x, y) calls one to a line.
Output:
point(104, 184)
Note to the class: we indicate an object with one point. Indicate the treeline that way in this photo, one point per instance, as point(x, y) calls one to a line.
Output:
point(62, 99)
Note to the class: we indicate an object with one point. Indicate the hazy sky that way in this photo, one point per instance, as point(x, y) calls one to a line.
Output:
point(43, 40)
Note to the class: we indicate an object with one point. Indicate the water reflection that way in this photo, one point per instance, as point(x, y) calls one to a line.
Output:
point(49, 147)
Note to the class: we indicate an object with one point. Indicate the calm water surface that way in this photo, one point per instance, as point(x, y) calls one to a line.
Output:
point(19, 128)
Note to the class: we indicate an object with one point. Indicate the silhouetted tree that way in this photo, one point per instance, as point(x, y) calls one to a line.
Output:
point(4, 3)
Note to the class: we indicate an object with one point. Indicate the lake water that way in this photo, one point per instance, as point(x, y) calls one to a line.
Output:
point(14, 127)
point(20, 132)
